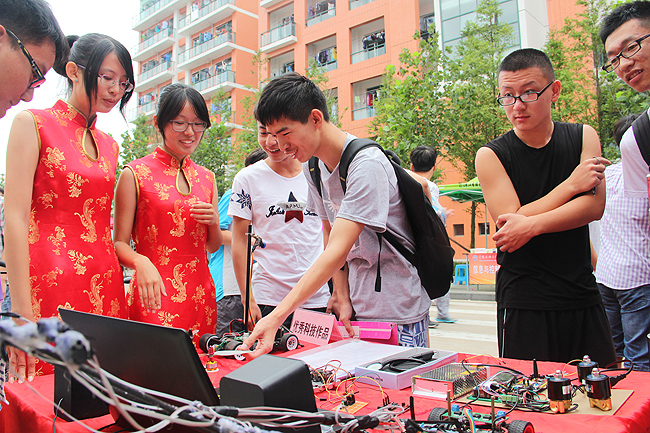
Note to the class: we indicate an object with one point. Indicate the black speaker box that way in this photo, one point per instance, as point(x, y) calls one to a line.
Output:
point(271, 381)
point(74, 398)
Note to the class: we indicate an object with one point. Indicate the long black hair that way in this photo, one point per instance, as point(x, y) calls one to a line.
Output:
point(89, 51)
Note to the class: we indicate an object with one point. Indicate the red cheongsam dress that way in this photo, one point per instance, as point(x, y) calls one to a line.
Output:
point(72, 259)
point(175, 243)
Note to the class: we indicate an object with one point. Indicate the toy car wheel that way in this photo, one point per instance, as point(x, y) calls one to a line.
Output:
point(436, 414)
point(289, 342)
point(232, 345)
point(520, 426)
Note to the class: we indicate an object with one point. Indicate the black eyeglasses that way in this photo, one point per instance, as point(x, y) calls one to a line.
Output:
point(524, 97)
point(626, 52)
point(37, 75)
point(179, 126)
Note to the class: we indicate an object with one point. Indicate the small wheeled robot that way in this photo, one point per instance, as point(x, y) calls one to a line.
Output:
point(469, 421)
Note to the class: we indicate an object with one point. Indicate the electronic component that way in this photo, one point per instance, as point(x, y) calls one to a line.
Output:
point(458, 378)
point(559, 392)
point(599, 390)
point(585, 367)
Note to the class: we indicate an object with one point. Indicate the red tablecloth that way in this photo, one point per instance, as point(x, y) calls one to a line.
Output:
point(28, 412)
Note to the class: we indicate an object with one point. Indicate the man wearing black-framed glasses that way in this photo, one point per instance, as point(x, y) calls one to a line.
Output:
point(624, 33)
point(542, 183)
point(31, 42)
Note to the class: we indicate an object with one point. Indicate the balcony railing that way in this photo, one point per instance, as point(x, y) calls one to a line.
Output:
point(146, 108)
point(198, 49)
point(356, 3)
point(278, 33)
point(146, 13)
point(363, 113)
point(214, 80)
point(155, 71)
point(163, 34)
point(201, 12)
point(322, 16)
point(329, 66)
point(368, 53)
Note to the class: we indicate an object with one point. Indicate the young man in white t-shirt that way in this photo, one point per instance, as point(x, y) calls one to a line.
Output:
point(294, 110)
point(272, 195)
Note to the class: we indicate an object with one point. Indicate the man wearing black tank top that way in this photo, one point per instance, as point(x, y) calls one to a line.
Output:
point(543, 183)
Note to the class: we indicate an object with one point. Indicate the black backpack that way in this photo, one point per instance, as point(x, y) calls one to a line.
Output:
point(641, 128)
point(433, 256)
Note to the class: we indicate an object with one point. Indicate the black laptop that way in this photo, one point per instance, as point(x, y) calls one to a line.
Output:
point(152, 356)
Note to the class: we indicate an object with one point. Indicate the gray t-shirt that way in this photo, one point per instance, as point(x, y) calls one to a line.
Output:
point(373, 198)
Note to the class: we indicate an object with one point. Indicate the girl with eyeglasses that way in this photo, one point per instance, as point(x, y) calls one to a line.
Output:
point(167, 204)
point(59, 189)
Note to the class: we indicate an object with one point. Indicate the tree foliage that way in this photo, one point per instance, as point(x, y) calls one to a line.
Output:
point(408, 114)
point(589, 95)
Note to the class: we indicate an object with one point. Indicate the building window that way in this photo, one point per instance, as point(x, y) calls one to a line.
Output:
point(483, 229)
point(459, 229)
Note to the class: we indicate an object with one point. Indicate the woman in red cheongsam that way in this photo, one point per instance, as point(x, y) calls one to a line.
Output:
point(59, 190)
point(167, 204)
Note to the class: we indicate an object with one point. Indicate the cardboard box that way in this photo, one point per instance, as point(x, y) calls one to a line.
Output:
point(370, 373)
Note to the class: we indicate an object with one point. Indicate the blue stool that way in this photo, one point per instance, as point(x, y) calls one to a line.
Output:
point(460, 275)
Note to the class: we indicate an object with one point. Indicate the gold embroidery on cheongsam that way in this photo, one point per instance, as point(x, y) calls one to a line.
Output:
point(170, 171)
point(87, 221)
point(209, 315)
point(33, 236)
point(115, 308)
point(105, 166)
point(177, 219)
point(58, 240)
point(199, 297)
point(75, 182)
point(101, 202)
point(78, 261)
point(50, 277)
point(166, 318)
point(192, 265)
point(54, 158)
point(207, 191)
point(178, 284)
point(36, 302)
point(152, 235)
point(94, 296)
point(163, 253)
point(67, 306)
point(47, 199)
point(143, 172)
point(162, 190)
point(198, 234)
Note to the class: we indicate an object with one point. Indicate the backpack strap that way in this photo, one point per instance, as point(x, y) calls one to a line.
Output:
point(641, 128)
point(354, 147)
point(314, 171)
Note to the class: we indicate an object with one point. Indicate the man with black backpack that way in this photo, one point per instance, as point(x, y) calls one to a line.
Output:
point(375, 281)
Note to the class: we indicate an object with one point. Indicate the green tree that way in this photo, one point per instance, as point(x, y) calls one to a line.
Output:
point(471, 115)
point(137, 142)
point(215, 149)
point(247, 137)
point(589, 95)
point(408, 113)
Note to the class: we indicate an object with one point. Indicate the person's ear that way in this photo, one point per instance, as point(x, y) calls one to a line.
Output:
point(73, 71)
point(316, 116)
point(556, 87)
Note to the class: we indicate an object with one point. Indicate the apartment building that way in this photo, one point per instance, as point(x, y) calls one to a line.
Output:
point(210, 44)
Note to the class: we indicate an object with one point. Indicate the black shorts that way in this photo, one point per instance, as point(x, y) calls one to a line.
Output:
point(559, 336)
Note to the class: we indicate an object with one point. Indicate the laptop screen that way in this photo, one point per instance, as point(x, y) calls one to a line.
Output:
point(152, 356)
